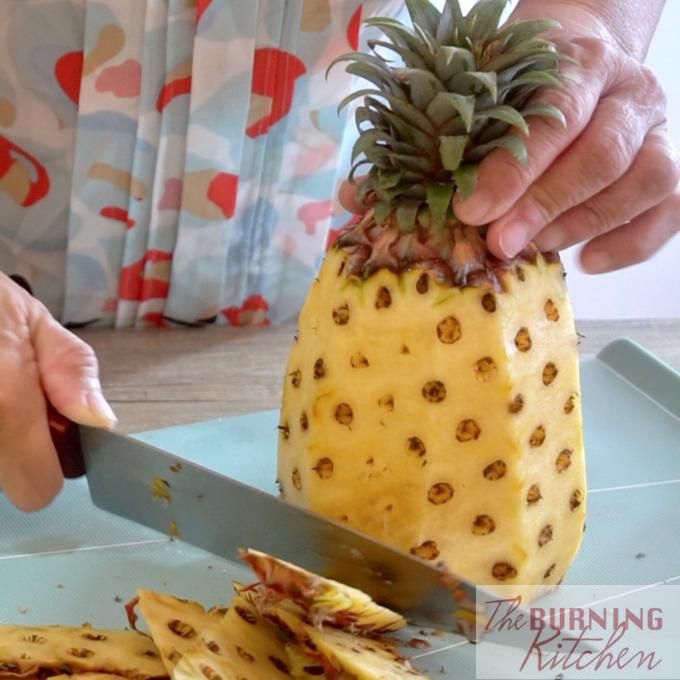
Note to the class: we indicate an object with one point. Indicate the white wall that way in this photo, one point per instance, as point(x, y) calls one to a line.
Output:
point(650, 289)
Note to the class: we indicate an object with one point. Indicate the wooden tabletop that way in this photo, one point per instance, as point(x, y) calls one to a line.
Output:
point(160, 378)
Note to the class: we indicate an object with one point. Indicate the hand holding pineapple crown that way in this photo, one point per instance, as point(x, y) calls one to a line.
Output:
point(555, 142)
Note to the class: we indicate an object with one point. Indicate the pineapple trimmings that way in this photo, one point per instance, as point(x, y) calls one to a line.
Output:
point(485, 369)
point(296, 378)
point(549, 373)
point(324, 468)
point(343, 414)
point(537, 437)
point(434, 391)
point(517, 404)
point(182, 629)
point(551, 311)
point(483, 525)
point(423, 284)
point(358, 360)
point(448, 330)
point(319, 369)
point(341, 315)
point(563, 460)
point(523, 339)
point(467, 430)
point(489, 302)
point(428, 550)
point(545, 536)
point(383, 299)
point(503, 571)
point(495, 470)
point(533, 494)
point(297, 479)
point(440, 493)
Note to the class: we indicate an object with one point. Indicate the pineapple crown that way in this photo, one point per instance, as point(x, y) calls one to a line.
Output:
point(461, 89)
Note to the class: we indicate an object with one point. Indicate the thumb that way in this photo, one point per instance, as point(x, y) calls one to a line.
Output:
point(69, 373)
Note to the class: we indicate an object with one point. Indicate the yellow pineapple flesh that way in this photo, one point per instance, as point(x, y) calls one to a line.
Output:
point(458, 436)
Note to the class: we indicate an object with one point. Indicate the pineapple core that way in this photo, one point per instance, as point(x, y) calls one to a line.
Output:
point(444, 421)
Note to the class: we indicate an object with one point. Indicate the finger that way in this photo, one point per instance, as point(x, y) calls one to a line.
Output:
point(347, 196)
point(30, 474)
point(634, 242)
point(653, 177)
point(598, 158)
point(69, 373)
point(502, 180)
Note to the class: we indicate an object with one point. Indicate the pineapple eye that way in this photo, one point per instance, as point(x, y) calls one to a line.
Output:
point(467, 430)
point(246, 656)
point(483, 525)
point(383, 299)
point(416, 445)
point(575, 499)
point(440, 493)
point(358, 360)
point(428, 550)
point(502, 571)
point(517, 404)
point(533, 494)
point(551, 311)
point(423, 284)
point(537, 437)
point(549, 571)
point(563, 460)
point(386, 402)
point(489, 302)
point(448, 330)
point(486, 369)
point(81, 653)
point(324, 468)
point(521, 275)
point(319, 369)
point(495, 470)
point(297, 479)
point(210, 673)
point(246, 615)
point(523, 340)
point(284, 430)
point(341, 315)
point(434, 391)
point(182, 629)
point(279, 665)
point(545, 536)
point(304, 422)
point(570, 404)
point(549, 373)
point(296, 378)
point(344, 414)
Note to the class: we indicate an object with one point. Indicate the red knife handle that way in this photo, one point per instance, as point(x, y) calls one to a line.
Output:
point(66, 437)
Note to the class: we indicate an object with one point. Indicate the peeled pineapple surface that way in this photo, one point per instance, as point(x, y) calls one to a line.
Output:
point(444, 421)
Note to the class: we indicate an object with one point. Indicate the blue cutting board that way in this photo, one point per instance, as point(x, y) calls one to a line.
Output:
point(73, 563)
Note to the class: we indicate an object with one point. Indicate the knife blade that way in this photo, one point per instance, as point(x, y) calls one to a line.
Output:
point(220, 515)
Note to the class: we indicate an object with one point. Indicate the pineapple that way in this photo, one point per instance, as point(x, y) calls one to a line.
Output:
point(431, 398)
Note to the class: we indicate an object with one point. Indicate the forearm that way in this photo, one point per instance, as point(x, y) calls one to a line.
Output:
point(630, 23)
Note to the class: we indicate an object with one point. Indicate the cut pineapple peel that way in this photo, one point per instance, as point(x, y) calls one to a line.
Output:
point(324, 600)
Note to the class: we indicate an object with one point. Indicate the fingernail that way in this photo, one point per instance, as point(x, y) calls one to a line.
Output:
point(101, 410)
point(595, 261)
point(473, 209)
point(513, 238)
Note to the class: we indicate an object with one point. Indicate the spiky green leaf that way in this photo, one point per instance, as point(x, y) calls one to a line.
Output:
point(473, 82)
point(415, 163)
point(377, 77)
point(423, 86)
point(452, 16)
point(401, 35)
point(483, 19)
point(451, 150)
point(382, 211)
point(439, 201)
point(387, 179)
point(424, 14)
point(538, 78)
point(466, 179)
point(407, 212)
point(408, 56)
point(446, 105)
point(510, 142)
point(518, 32)
point(449, 61)
point(367, 140)
point(506, 114)
point(410, 114)
point(357, 95)
point(545, 110)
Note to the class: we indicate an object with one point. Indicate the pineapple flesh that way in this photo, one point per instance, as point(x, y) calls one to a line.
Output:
point(431, 398)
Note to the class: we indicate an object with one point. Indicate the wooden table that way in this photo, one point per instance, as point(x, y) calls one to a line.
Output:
point(161, 378)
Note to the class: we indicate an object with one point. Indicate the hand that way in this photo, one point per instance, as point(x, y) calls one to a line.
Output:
point(610, 178)
point(40, 358)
